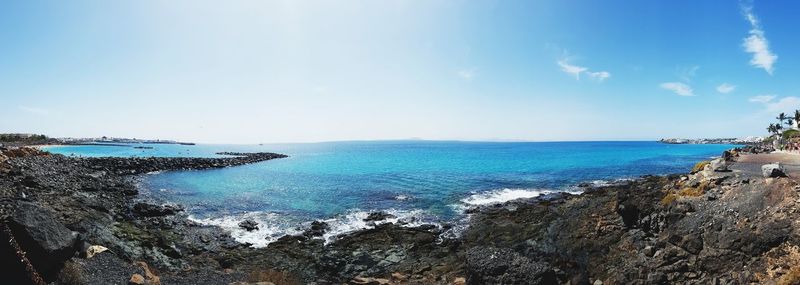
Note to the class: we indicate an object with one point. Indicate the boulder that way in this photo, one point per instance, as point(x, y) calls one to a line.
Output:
point(718, 165)
point(486, 265)
point(378, 216)
point(249, 225)
point(317, 229)
point(773, 170)
point(47, 242)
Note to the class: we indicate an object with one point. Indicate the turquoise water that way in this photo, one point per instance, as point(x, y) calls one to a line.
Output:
point(421, 180)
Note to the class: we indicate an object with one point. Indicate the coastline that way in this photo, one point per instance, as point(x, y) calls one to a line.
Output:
point(622, 232)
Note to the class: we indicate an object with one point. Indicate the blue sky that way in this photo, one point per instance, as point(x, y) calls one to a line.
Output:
point(297, 71)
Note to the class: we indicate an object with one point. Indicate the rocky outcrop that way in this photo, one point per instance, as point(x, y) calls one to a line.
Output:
point(773, 170)
point(249, 225)
point(151, 210)
point(486, 265)
point(46, 242)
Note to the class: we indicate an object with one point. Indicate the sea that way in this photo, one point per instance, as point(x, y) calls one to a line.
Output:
point(418, 182)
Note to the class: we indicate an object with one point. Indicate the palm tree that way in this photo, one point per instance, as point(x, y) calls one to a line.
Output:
point(781, 117)
point(797, 117)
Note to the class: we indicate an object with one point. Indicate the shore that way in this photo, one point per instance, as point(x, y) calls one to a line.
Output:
point(722, 224)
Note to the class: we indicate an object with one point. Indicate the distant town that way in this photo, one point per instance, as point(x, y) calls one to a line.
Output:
point(34, 139)
point(746, 140)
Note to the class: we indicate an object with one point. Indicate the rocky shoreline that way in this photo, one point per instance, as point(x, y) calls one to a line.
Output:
point(80, 221)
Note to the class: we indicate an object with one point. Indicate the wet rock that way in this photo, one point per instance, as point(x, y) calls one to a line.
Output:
point(773, 170)
point(150, 210)
point(317, 229)
point(378, 216)
point(249, 225)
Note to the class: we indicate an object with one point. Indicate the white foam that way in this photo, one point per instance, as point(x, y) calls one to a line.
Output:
point(402, 197)
point(354, 221)
point(271, 227)
point(603, 183)
point(503, 195)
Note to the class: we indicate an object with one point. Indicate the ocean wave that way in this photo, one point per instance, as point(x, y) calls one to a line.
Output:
point(271, 227)
point(611, 182)
point(503, 195)
point(354, 221)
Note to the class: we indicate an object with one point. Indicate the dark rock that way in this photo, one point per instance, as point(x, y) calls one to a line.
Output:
point(317, 229)
point(249, 225)
point(486, 265)
point(378, 216)
point(150, 210)
point(773, 170)
point(46, 241)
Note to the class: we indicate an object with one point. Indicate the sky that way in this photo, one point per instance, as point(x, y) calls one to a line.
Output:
point(306, 71)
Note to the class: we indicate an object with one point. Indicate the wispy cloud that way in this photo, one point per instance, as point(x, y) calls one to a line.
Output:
point(757, 44)
point(772, 105)
point(466, 74)
point(761, 98)
point(576, 70)
point(572, 69)
point(786, 104)
point(678, 88)
point(726, 88)
point(600, 75)
point(33, 110)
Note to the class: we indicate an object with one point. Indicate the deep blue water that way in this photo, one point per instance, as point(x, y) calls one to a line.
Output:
point(427, 180)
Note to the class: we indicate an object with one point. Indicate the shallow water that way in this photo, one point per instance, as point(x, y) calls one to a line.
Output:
point(422, 180)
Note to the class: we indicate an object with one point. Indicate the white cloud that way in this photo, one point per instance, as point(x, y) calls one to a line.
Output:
point(576, 71)
point(678, 87)
point(757, 44)
point(600, 75)
point(726, 88)
point(467, 74)
point(771, 106)
point(761, 98)
point(35, 111)
point(572, 69)
point(785, 104)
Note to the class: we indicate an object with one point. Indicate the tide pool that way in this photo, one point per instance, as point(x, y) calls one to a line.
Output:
point(417, 181)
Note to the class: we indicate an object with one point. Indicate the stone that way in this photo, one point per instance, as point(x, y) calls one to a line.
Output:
point(488, 265)
point(150, 277)
point(136, 279)
point(150, 210)
point(598, 282)
point(317, 229)
point(718, 165)
point(47, 242)
point(370, 281)
point(378, 216)
point(648, 251)
point(773, 170)
point(399, 276)
point(460, 281)
point(249, 225)
point(94, 249)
